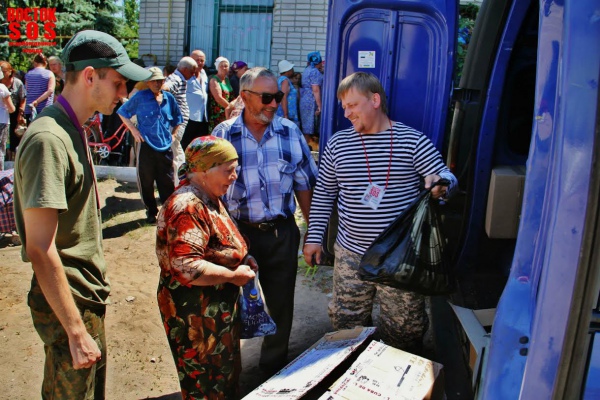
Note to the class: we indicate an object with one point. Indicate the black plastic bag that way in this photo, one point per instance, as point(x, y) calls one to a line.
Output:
point(409, 253)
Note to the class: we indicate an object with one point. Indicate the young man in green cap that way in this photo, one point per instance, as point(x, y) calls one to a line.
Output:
point(57, 212)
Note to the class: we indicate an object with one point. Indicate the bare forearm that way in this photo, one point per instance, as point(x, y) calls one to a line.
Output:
point(49, 91)
point(317, 93)
point(213, 274)
point(217, 94)
point(10, 107)
point(221, 101)
point(40, 226)
point(132, 128)
point(304, 198)
point(44, 96)
point(51, 277)
point(284, 106)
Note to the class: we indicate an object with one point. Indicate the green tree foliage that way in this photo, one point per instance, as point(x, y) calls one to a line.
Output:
point(72, 16)
point(466, 23)
point(129, 32)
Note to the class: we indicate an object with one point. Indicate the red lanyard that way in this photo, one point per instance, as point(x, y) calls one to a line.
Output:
point(69, 110)
point(387, 179)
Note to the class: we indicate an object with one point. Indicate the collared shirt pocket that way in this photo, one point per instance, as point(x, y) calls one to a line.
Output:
point(286, 172)
point(236, 196)
point(147, 115)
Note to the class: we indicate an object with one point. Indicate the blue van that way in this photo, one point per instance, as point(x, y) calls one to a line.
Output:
point(523, 139)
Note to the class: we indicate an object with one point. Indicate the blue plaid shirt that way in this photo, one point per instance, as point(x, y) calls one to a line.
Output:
point(270, 170)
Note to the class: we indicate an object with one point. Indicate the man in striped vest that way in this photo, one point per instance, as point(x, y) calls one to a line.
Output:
point(373, 170)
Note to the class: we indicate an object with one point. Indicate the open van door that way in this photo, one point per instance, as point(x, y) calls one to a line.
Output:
point(408, 45)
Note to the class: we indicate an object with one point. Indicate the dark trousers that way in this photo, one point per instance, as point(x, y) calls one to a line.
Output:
point(276, 251)
point(154, 166)
point(14, 139)
point(193, 130)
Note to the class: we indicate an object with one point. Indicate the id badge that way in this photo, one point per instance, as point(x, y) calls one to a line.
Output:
point(373, 196)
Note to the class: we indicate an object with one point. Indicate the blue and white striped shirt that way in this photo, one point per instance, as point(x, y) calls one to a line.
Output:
point(36, 82)
point(176, 84)
point(270, 170)
point(343, 174)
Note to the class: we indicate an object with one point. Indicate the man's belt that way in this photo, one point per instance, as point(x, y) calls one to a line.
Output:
point(266, 225)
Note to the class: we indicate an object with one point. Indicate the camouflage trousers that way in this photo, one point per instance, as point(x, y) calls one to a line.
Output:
point(61, 381)
point(403, 319)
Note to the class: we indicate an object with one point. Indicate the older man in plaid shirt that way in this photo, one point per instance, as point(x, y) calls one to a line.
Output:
point(275, 164)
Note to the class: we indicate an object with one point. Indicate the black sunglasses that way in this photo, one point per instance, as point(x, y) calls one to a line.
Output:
point(267, 98)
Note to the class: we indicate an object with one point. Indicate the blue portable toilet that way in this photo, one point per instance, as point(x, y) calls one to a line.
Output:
point(408, 44)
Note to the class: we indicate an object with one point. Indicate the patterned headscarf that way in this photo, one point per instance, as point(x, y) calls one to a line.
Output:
point(314, 58)
point(204, 153)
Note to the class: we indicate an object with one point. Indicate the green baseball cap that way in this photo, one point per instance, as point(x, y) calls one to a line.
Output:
point(100, 50)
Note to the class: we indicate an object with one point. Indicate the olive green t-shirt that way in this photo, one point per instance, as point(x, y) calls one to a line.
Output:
point(52, 171)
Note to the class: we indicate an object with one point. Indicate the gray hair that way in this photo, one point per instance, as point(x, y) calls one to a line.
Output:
point(55, 58)
point(187, 62)
point(247, 80)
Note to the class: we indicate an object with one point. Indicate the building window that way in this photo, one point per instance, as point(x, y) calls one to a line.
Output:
point(236, 29)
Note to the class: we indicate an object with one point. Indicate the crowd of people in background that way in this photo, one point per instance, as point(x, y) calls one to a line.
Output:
point(37, 88)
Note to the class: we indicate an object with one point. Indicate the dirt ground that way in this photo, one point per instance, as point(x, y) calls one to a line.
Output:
point(139, 363)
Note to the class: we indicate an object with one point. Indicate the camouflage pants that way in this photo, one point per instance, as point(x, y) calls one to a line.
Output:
point(403, 320)
point(61, 381)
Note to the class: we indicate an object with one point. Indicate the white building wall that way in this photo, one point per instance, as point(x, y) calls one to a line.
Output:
point(157, 25)
point(299, 27)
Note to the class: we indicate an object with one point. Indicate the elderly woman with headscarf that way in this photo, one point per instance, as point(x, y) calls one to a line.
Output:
point(310, 94)
point(221, 93)
point(203, 260)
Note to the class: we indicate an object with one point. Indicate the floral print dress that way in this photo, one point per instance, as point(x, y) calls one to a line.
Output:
point(308, 105)
point(216, 113)
point(201, 322)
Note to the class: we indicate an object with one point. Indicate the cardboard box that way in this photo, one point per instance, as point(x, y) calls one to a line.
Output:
point(505, 198)
point(386, 373)
point(476, 325)
point(312, 366)
point(380, 371)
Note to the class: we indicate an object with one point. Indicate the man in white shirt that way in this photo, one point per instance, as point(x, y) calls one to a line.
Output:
point(197, 99)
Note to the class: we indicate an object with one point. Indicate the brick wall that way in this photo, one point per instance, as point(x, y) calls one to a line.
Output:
point(154, 28)
point(299, 27)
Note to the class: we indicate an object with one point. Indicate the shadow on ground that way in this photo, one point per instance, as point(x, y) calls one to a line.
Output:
point(119, 205)
point(119, 230)
point(172, 396)
point(127, 187)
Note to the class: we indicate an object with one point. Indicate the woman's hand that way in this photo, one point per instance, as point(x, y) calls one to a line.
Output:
point(242, 275)
point(250, 261)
